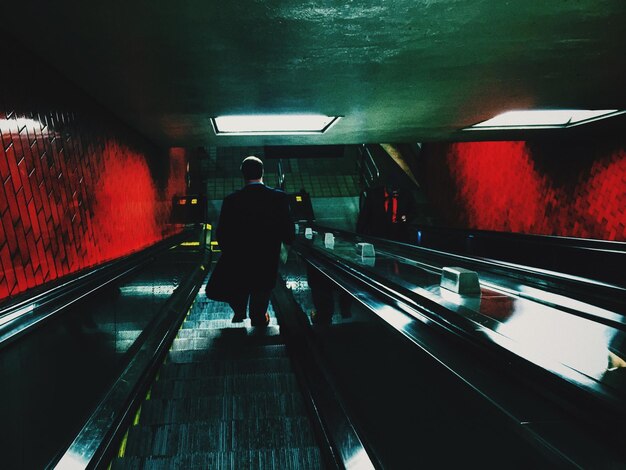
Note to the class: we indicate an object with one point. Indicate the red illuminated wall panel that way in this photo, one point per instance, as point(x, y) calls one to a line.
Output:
point(574, 189)
point(76, 187)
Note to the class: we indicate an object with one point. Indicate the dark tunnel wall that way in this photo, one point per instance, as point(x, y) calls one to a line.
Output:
point(78, 188)
point(572, 188)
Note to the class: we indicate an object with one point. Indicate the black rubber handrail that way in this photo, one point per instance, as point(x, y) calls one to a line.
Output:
point(433, 313)
point(378, 297)
point(340, 440)
point(547, 240)
point(605, 295)
point(96, 442)
point(602, 260)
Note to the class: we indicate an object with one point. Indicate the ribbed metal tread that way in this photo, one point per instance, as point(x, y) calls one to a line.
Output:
point(193, 370)
point(219, 323)
point(204, 355)
point(223, 408)
point(286, 458)
point(219, 436)
point(251, 349)
point(226, 397)
point(222, 333)
point(277, 382)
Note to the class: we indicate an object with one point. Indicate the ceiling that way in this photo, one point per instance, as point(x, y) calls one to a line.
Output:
point(396, 70)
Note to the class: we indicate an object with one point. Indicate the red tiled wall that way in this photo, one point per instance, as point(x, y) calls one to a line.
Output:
point(76, 188)
point(574, 189)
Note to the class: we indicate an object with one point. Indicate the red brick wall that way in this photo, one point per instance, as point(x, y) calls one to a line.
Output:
point(76, 187)
point(574, 189)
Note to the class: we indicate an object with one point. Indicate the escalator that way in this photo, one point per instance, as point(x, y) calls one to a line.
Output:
point(546, 356)
point(367, 363)
point(196, 391)
point(62, 346)
point(226, 397)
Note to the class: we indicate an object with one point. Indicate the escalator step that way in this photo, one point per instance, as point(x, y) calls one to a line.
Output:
point(211, 345)
point(226, 397)
point(191, 370)
point(220, 385)
point(222, 408)
point(218, 324)
point(221, 436)
point(191, 356)
point(282, 458)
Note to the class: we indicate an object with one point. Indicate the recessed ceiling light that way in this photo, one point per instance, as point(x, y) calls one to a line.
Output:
point(543, 119)
point(271, 124)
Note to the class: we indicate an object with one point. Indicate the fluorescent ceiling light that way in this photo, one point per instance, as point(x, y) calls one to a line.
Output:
point(543, 119)
point(268, 124)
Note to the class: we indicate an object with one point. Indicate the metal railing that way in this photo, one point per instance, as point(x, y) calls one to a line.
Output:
point(368, 169)
point(281, 175)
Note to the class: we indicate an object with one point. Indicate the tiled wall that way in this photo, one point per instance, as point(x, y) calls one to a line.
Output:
point(573, 188)
point(320, 177)
point(77, 188)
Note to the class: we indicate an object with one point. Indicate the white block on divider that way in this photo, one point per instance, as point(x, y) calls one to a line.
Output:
point(460, 280)
point(365, 250)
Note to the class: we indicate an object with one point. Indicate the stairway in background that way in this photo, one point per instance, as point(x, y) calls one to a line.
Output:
point(320, 177)
point(226, 397)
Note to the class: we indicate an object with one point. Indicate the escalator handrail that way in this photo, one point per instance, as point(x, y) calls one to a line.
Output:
point(94, 444)
point(497, 392)
point(606, 293)
point(20, 315)
point(433, 313)
point(555, 240)
point(343, 446)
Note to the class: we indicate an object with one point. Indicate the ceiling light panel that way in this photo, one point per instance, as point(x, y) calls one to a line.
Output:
point(272, 124)
point(544, 119)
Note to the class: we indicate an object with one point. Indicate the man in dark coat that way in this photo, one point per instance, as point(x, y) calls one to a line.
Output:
point(253, 223)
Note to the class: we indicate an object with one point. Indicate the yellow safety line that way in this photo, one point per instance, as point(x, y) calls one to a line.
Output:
point(137, 415)
point(122, 450)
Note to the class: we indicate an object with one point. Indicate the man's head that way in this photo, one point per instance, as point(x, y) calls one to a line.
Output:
point(252, 168)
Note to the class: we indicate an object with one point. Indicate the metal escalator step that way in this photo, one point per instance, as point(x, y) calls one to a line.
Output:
point(207, 316)
point(218, 385)
point(221, 333)
point(121, 345)
point(127, 463)
point(216, 324)
point(209, 367)
point(222, 408)
point(268, 459)
point(185, 333)
point(251, 349)
point(203, 354)
point(139, 442)
point(176, 439)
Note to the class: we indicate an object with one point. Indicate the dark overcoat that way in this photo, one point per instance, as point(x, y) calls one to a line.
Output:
point(253, 223)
